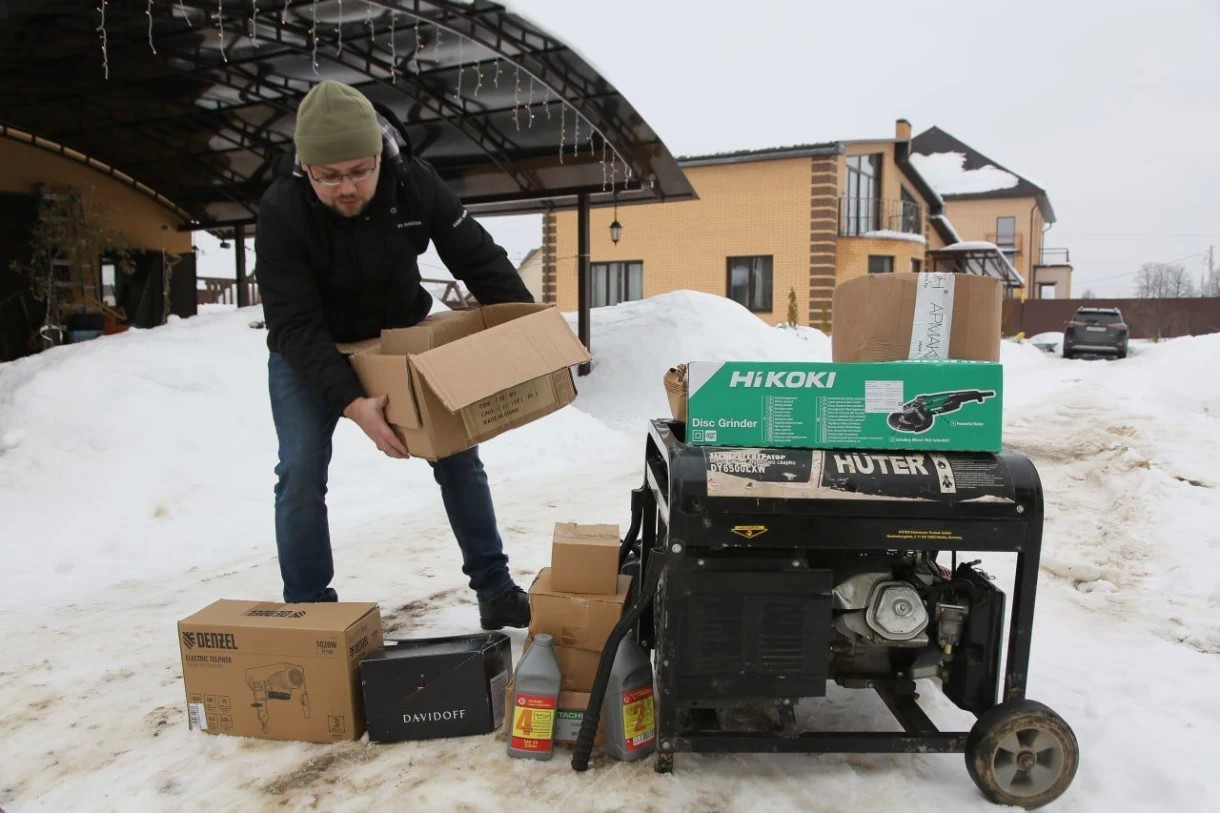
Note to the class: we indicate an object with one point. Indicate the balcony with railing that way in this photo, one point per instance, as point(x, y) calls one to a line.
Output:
point(879, 217)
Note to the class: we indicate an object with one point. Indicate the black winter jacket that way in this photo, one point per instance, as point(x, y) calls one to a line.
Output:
point(324, 278)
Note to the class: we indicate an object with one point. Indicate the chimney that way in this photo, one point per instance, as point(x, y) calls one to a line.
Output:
point(902, 135)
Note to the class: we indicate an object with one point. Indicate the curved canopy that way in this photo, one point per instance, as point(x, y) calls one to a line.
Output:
point(192, 101)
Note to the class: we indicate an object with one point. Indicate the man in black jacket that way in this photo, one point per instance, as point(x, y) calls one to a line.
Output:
point(336, 250)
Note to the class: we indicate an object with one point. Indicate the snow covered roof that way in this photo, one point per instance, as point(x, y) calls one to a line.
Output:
point(947, 172)
point(959, 172)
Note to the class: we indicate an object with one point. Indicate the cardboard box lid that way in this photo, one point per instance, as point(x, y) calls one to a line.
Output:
point(321, 617)
point(512, 352)
point(392, 376)
point(577, 534)
point(438, 329)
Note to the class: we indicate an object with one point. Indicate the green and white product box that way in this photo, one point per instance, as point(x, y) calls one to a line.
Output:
point(918, 405)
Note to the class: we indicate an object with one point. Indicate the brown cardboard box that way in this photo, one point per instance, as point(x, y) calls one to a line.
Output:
point(894, 317)
point(575, 620)
point(277, 671)
point(577, 667)
point(462, 377)
point(569, 714)
point(584, 558)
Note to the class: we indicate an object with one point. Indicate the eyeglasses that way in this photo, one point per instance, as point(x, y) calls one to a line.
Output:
point(337, 180)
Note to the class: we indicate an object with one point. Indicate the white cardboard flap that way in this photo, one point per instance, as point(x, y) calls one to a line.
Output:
point(476, 367)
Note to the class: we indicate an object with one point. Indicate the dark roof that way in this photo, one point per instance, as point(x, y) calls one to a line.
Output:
point(195, 110)
point(935, 140)
point(765, 154)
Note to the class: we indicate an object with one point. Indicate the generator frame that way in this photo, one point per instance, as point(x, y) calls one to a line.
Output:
point(679, 523)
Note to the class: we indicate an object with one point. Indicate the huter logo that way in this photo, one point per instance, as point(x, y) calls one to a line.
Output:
point(792, 380)
point(435, 716)
point(209, 640)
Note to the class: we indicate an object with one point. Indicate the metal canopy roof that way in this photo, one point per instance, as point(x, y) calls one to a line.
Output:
point(193, 101)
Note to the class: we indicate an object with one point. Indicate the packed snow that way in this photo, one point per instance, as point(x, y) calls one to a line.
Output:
point(136, 488)
point(947, 173)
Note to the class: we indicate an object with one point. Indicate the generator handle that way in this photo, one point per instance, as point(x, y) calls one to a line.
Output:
point(643, 600)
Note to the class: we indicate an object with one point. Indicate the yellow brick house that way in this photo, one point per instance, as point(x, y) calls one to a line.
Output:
point(801, 218)
point(989, 202)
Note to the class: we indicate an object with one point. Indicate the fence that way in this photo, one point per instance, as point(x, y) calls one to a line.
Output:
point(223, 291)
point(1146, 318)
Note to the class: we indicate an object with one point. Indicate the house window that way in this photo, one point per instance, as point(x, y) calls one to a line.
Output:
point(862, 203)
point(878, 264)
point(617, 282)
point(1006, 232)
point(916, 265)
point(750, 282)
point(1046, 290)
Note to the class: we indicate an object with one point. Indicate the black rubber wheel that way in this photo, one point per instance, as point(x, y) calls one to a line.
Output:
point(1022, 753)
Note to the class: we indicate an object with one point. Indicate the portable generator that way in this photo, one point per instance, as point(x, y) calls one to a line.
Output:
point(763, 574)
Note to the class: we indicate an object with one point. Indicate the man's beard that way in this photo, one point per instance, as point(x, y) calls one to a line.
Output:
point(359, 210)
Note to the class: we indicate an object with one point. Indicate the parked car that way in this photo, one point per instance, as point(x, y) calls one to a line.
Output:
point(1097, 331)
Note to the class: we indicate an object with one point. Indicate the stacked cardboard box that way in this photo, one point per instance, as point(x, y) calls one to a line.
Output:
point(577, 601)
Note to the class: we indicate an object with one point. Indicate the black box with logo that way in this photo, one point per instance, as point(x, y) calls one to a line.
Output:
point(436, 687)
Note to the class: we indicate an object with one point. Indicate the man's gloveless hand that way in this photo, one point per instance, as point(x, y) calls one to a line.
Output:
point(369, 415)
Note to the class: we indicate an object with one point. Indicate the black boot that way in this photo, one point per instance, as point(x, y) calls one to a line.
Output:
point(509, 609)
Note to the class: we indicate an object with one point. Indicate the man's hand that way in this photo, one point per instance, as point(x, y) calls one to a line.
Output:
point(369, 415)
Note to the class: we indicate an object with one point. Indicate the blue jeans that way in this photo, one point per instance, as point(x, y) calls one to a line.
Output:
point(305, 426)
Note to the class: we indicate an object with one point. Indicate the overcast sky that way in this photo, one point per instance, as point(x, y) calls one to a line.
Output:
point(1112, 107)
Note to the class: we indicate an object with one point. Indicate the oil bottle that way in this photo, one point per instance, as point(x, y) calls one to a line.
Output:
point(631, 730)
point(535, 698)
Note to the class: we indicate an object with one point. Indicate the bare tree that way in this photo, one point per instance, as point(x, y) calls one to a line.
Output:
point(1164, 281)
point(1088, 294)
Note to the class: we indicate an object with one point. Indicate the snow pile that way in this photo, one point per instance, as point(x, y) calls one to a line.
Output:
point(947, 173)
point(890, 234)
point(135, 488)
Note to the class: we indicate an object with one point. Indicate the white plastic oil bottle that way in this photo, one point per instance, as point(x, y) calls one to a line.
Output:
point(631, 730)
point(535, 698)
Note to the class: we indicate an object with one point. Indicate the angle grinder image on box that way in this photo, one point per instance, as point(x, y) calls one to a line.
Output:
point(279, 681)
point(918, 414)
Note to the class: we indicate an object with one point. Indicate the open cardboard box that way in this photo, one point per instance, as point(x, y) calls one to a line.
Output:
point(463, 377)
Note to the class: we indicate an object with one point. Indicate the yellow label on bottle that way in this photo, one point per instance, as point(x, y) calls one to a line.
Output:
point(533, 722)
point(639, 721)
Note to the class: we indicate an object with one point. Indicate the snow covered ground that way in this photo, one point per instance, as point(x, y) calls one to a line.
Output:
point(135, 488)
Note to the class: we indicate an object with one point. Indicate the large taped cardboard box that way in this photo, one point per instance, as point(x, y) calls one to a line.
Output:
point(278, 671)
point(584, 558)
point(436, 687)
point(909, 405)
point(462, 377)
point(931, 316)
point(575, 620)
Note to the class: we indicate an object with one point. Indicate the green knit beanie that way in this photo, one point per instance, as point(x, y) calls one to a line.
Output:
point(336, 123)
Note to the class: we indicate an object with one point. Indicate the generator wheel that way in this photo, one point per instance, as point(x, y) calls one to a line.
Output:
point(1022, 753)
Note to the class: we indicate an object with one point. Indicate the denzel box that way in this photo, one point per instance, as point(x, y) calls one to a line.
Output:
point(914, 405)
point(277, 671)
